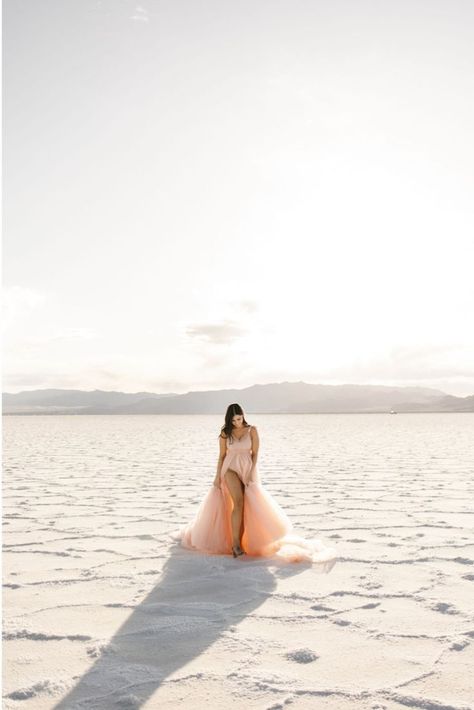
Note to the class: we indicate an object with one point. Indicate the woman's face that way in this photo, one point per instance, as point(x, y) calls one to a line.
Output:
point(237, 420)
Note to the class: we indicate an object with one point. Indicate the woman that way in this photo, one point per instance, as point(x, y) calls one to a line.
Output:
point(238, 515)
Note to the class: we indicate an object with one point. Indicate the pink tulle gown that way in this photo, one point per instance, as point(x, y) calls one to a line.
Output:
point(267, 531)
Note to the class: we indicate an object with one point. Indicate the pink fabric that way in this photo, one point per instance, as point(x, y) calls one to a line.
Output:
point(267, 529)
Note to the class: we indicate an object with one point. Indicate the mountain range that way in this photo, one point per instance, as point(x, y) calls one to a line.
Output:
point(272, 398)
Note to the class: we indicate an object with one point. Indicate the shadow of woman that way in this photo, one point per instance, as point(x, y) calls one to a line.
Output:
point(197, 598)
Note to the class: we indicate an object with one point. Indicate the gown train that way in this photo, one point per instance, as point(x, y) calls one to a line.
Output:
point(267, 530)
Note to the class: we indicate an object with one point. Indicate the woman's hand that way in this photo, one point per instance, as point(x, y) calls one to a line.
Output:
point(251, 475)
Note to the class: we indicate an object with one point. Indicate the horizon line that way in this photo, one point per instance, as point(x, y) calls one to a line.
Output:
point(223, 389)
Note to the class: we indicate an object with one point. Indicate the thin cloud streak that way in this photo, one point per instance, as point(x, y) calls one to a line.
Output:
point(216, 333)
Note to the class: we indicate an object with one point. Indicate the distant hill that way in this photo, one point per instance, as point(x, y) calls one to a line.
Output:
point(447, 403)
point(53, 401)
point(275, 398)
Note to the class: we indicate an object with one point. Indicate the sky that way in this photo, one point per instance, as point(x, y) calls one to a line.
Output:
point(209, 194)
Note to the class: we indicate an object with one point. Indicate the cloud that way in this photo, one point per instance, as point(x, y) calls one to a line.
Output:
point(249, 306)
point(39, 343)
point(218, 333)
point(214, 360)
point(73, 334)
point(18, 302)
point(141, 15)
point(423, 362)
point(45, 380)
point(404, 363)
point(23, 380)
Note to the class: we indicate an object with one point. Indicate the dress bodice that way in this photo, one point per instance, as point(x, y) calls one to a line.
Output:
point(241, 445)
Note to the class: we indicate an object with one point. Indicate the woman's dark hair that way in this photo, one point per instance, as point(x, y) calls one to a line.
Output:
point(232, 410)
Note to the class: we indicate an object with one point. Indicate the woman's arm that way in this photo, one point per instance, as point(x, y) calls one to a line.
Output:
point(220, 461)
point(255, 444)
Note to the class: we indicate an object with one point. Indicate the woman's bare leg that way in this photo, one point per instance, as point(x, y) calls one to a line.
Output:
point(236, 489)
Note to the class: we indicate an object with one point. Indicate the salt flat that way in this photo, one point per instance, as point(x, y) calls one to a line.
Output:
point(103, 610)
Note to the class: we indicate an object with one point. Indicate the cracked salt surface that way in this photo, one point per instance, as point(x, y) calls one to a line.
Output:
point(102, 611)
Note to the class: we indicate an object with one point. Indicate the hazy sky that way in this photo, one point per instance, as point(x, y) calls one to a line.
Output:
point(212, 194)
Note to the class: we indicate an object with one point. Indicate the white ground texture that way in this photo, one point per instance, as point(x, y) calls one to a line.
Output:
point(103, 610)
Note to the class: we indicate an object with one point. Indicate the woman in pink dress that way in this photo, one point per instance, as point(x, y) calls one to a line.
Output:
point(237, 515)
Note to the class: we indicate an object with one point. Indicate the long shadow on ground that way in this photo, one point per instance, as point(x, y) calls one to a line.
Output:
point(196, 599)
